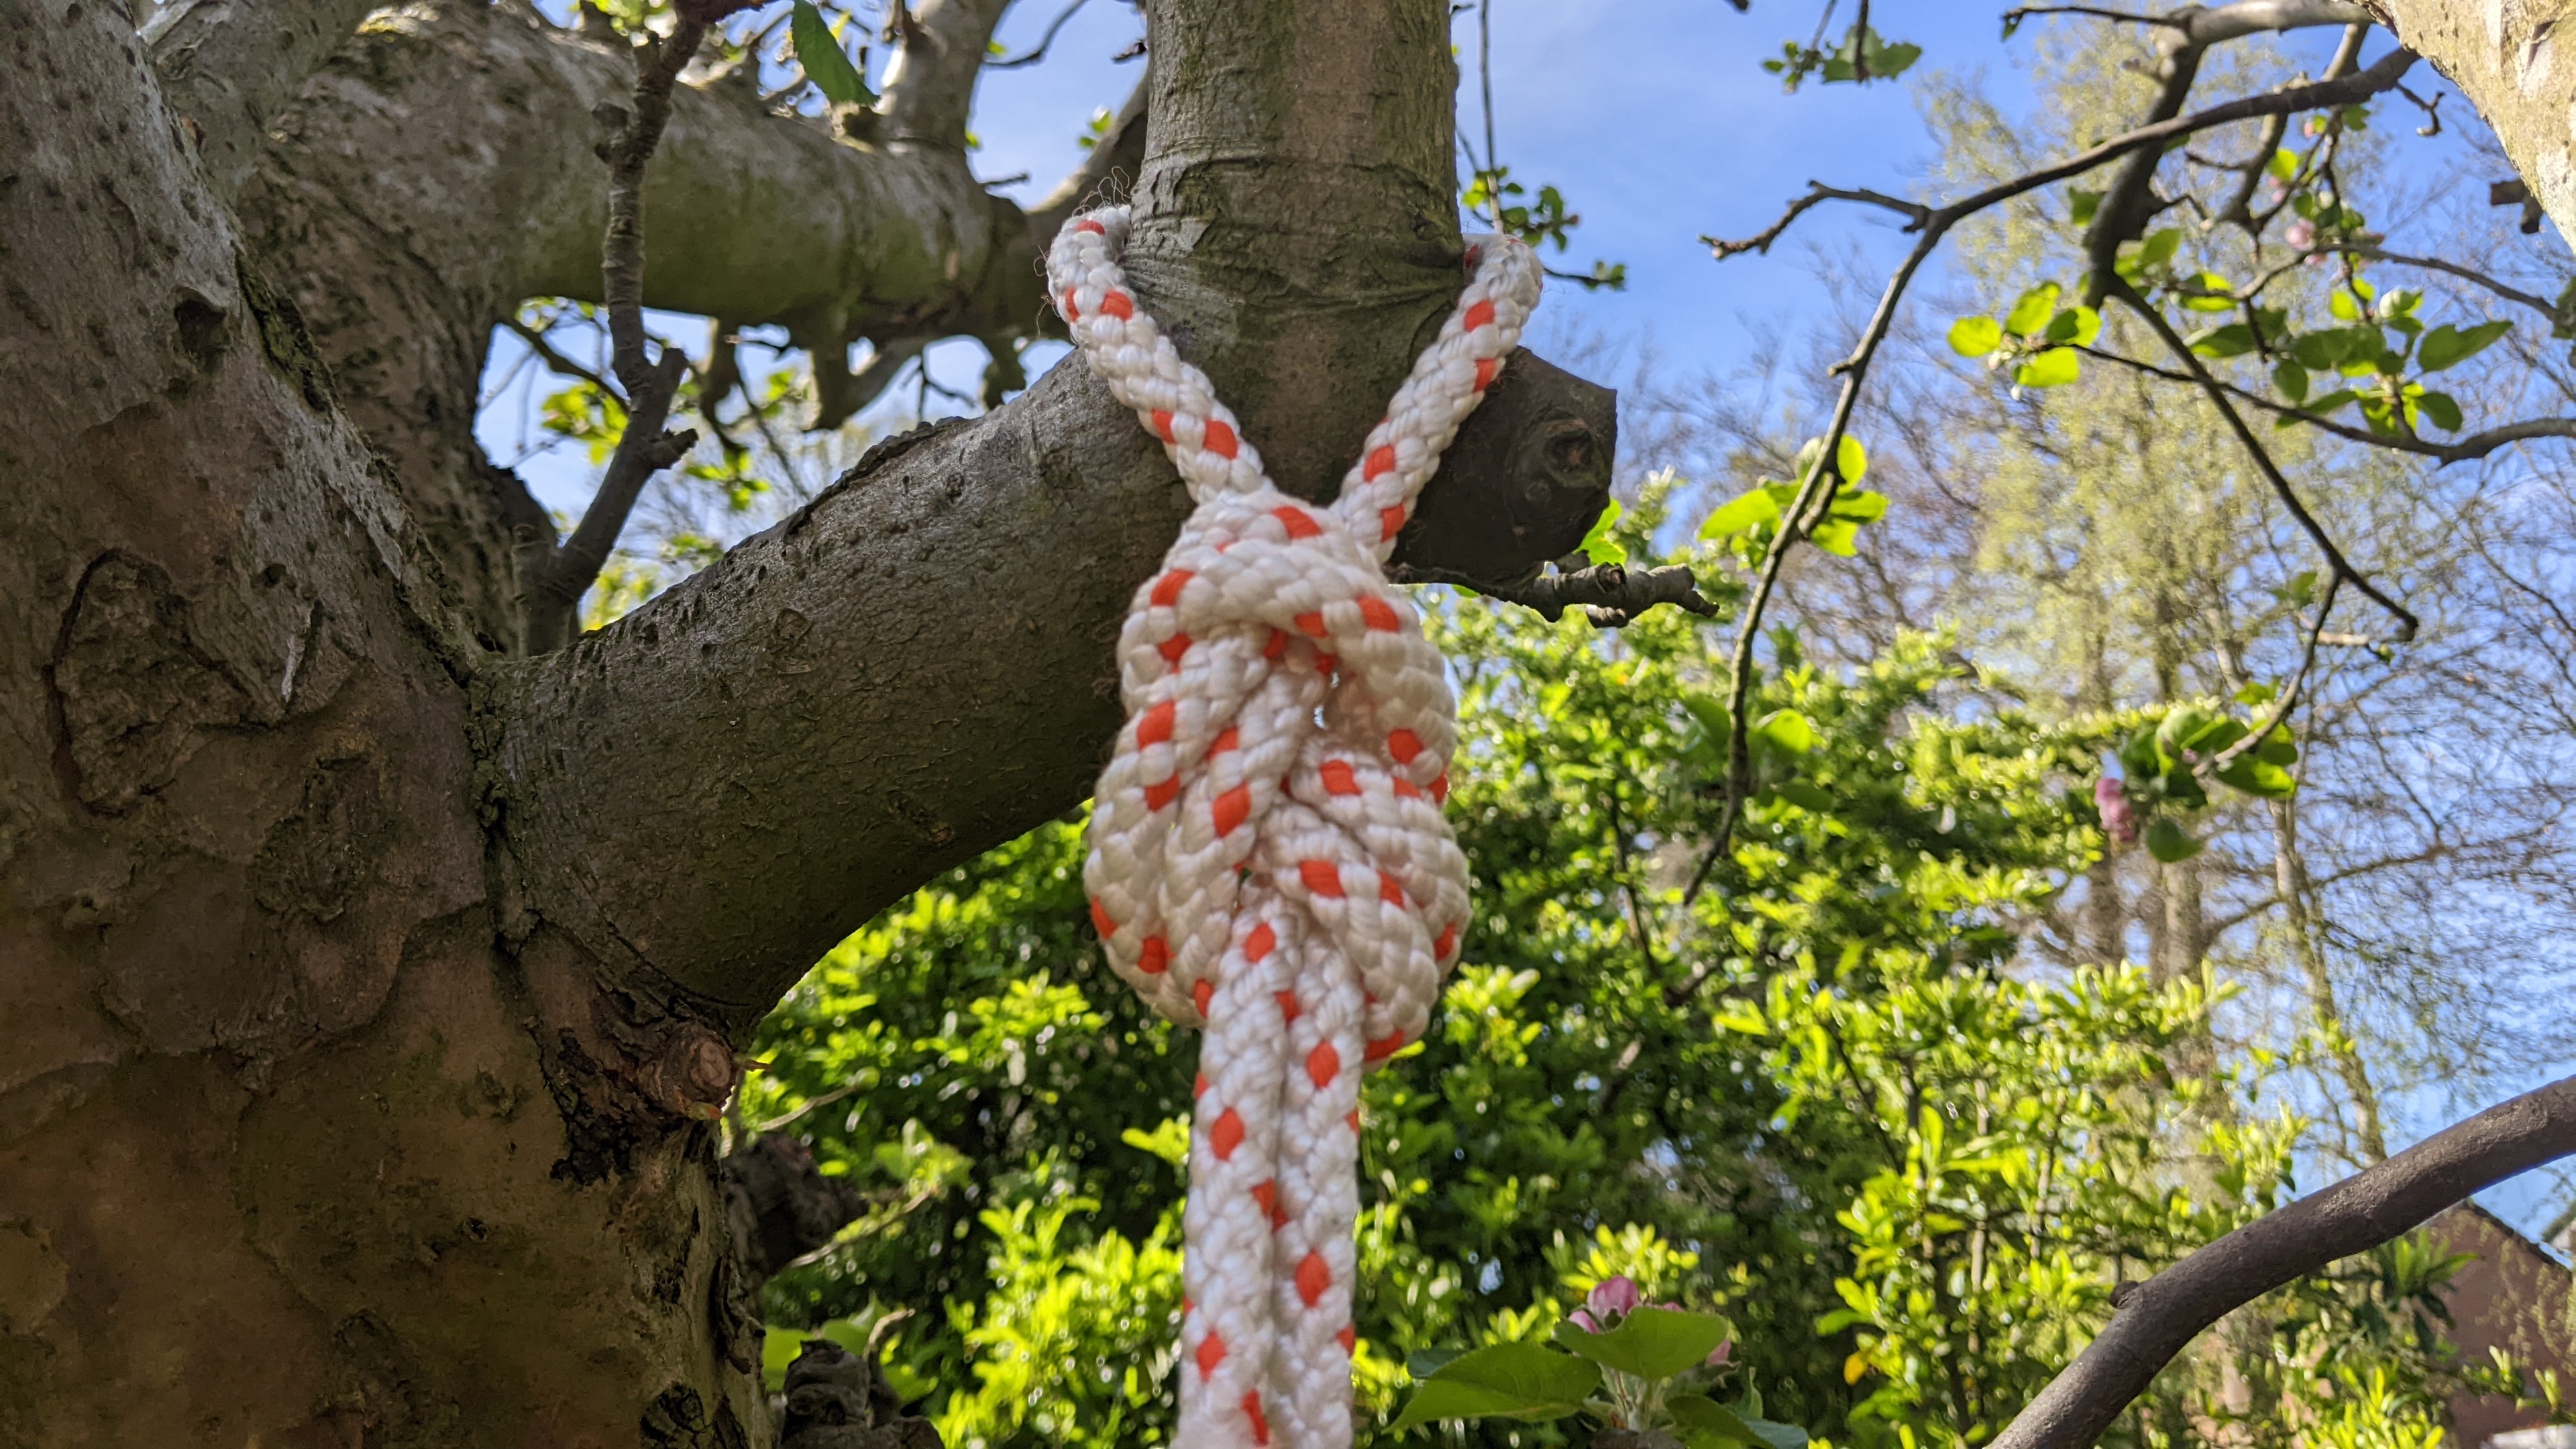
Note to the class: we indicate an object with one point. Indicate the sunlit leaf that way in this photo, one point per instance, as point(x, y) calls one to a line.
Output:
point(1505, 1381)
point(2054, 368)
point(825, 63)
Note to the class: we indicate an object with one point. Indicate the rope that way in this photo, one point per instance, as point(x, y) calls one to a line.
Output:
point(1268, 856)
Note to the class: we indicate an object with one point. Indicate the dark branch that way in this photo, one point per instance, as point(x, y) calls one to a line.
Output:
point(651, 384)
point(2349, 90)
point(2539, 304)
point(547, 354)
point(1610, 595)
point(1038, 52)
point(2159, 1318)
point(1914, 211)
point(2226, 759)
point(2019, 13)
point(2217, 393)
point(2463, 450)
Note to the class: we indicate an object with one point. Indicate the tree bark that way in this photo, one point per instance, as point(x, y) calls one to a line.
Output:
point(2503, 55)
point(369, 989)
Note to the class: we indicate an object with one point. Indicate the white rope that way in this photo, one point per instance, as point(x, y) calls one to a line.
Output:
point(1268, 856)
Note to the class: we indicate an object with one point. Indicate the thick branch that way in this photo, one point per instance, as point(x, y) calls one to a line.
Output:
point(920, 664)
point(2159, 1318)
point(930, 87)
point(404, 248)
point(229, 67)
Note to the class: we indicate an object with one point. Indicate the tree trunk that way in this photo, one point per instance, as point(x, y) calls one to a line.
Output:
point(2503, 55)
point(369, 986)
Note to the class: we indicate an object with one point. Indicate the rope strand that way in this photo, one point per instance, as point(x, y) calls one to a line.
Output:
point(1268, 856)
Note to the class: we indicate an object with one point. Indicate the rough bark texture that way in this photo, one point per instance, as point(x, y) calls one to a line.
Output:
point(369, 986)
point(2503, 55)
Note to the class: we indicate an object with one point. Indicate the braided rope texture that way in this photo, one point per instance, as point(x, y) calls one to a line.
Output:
point(1268, 856)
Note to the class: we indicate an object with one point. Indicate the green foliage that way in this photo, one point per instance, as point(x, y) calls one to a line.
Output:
point(818, 50)
point(1863, 55)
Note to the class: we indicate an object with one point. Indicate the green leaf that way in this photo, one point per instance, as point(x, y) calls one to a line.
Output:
point(2159, 248)
point(2032, 312)
point(2082, 205)
point(2257, 776)
point(2283, 165)
point(2320, 351)
point(2056, 367)
point(1889, 61)
point(2291, 380)
point(2257, 691)
point(2169, 842)
point(2301, 590)
point(1598, 545)
point(1837, 537)
point(2233, 340)
point(1431, 1361)
point(1503, 1381)
point(1851, 460)
point(1745, 510)
point(2442, 409)
point(1793, 734)
point(2079, 325)
point(1704, 1420)
point(2445, 345)
point(825, 63)
point(1975, 336)
point(2214, 294)
point(2344, 306)
point(1806, 796)
point(1652, 1343)
point(1861, 507)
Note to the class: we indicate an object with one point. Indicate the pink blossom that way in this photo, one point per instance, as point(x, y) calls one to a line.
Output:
point(1721, 1355)
point(2118, 821)
point(1613, 1296)
point(1584, 1321)
point(2301, 234)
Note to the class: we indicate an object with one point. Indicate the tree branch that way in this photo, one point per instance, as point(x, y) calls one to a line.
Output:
point(2226, 759)
point(2461, 450)
point(921, 663)
point(229, 66)
point(2160, 1317)
point(2262, 458)
point(651, 385)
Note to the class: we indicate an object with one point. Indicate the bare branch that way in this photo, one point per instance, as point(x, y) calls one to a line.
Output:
point(2019, 13)
point(1914, 211)
point(1038, 52)
point(2226, 759)
point(2160, 1317)
point(548, 354)
point(2538, 304)
point(2387, 71)
point(2463, 450)
point(651, 384)
point(2217, 393)
point(1610, 595)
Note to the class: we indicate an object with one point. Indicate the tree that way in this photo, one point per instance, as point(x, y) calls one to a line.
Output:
point(377, 948)
point(372, 973)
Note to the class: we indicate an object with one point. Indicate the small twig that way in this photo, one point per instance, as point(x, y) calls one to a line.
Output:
point(1914, 211)
point(2463, 450)
point(2217, 394)
point(2226, 759)
point(546, 353)
point(2019, 13)
point(1611, 595)
point(2158, 1318)
point(2538, 304)
point(1039, 52)
point(2361, 86)
point(650, 383)
point(827, 1099)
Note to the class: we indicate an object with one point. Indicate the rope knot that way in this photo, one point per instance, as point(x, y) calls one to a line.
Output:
point(1268, 856)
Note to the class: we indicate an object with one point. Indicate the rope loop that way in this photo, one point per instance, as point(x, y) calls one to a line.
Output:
point(1269, 860)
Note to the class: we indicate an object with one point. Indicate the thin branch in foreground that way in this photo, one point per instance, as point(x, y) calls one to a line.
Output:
point(2159, 1318)
point(651, 383)
point(1038, 52)
point(2459, 450)
point(2290, 693)
point(1610, 595)
point(2281, 489)
point(2019, 13)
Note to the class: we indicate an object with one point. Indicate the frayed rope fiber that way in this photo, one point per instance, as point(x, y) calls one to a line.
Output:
point(1268, 856)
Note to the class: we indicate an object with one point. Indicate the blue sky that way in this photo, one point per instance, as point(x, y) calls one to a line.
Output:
point(1655, 119)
